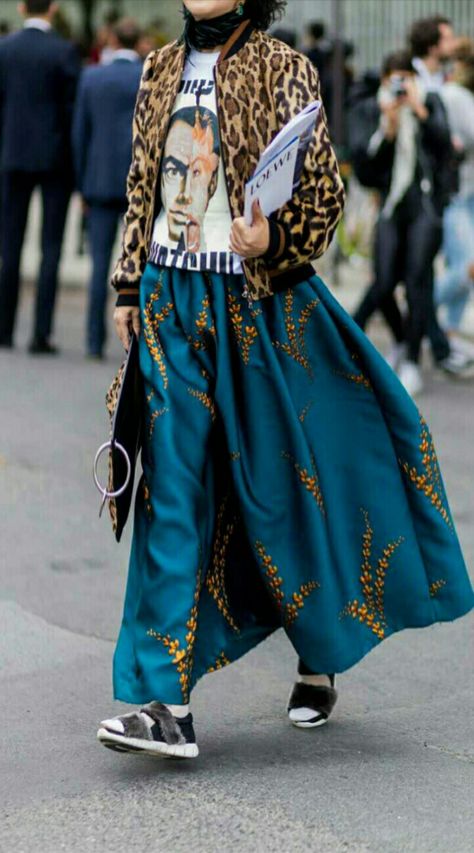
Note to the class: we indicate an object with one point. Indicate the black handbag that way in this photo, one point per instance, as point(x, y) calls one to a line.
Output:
point(124, 402)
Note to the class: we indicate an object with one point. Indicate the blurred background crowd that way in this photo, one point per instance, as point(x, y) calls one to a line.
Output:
point(399, 94)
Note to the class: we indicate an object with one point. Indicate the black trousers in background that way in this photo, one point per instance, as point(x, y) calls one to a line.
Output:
point(17, 189)
point(406, 245)
point(102, 220)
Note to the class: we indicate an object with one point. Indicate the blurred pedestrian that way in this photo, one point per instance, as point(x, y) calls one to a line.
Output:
point(401, 143)
point(455, 286)
point(432, 42)
point(319, 50)
point(38, 78)
point(102, 143)
point(101, 50)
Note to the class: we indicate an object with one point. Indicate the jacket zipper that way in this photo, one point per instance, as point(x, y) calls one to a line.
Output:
point(246, 291)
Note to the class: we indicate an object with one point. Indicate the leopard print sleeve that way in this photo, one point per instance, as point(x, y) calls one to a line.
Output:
point(307, 223)
point(128, 271)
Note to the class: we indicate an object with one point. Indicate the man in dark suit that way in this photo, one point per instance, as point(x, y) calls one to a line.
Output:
point(102, 144)
point(38, 78)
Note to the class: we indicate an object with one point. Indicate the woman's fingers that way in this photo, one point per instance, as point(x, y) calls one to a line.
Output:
point(122, 319)
point(136, 321)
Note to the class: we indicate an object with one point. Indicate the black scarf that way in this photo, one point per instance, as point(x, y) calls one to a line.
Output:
point(203, 35)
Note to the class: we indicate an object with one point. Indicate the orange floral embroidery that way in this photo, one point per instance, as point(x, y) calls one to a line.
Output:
point(183, 656)
point(371, 610)
point(151, 324)
point(146, 498)
point(246, 335)
point(309, 480)
point(429, 480)
point(153, 417)
point(220, 663)
point(291, 607)
point(204, 326)
point(215, 579)
point(358, 378)
point(205, 399)
point(305, 411)
point(436, 586)
point(295, 330)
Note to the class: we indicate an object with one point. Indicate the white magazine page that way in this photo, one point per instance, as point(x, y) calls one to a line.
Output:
point(272, 185)
point(297, 126)
point(280, 166)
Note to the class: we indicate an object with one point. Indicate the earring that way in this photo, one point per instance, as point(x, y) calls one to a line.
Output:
point(240, 8)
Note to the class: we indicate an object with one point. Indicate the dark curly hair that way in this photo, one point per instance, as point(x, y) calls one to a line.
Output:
point(264, 13)
point(425, 34)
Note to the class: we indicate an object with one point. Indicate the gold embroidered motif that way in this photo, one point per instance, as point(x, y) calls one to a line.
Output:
point(151, 324)
point(289, 609)
point(371, 611)
point(296, 346)
point(204, 326)
point(429, 481)
point(146, 498)
point(234, 455)
point(220, 663)
point(150, 397)
point(309, 480)
point(215, 579)
point(436, 586)
point(305, 411)
point(358, 378)
point(183, 656)
point(154, 415)
point(245, 335)
point(206, 400)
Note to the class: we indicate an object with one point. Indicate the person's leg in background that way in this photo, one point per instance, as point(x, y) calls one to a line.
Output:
point(56, 194)
point(423, 242)
point(388, 246)
point(454, 286)
point(102, 222)
point(17, 188)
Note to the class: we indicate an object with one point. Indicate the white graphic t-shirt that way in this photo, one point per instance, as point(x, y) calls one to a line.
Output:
point(193, 227)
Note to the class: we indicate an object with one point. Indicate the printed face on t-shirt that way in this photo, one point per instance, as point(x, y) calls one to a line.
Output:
point(189, 174)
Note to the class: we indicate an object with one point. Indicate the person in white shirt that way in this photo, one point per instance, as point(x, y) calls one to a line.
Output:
point(432, 42)
point(454, 287)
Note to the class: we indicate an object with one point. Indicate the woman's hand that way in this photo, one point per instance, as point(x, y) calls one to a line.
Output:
point(250, 241)
point(127, 320)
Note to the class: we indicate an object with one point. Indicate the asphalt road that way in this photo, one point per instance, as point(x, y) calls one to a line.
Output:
point(394, 771)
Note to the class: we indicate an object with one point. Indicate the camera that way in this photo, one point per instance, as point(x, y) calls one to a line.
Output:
point(397, 86)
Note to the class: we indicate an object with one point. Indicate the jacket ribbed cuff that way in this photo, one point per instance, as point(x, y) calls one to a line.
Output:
point(127, 299)
point(278, 241)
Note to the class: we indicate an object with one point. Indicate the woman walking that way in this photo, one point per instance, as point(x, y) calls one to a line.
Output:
point(455, 286)
point(288, 479)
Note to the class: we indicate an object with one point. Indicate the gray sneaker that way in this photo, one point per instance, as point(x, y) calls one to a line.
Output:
point(152, 730)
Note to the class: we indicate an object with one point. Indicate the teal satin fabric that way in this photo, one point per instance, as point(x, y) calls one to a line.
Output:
point(288, 481)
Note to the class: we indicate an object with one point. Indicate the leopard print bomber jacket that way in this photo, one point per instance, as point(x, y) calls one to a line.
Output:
point(261, 84)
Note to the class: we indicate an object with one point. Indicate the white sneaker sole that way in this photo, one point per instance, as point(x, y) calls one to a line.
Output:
point(160, 750)
point(300, 724)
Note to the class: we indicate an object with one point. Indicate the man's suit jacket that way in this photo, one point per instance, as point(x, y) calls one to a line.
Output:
point(102, 129)
point(38, 78)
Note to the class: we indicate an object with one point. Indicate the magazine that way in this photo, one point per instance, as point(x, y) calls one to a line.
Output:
point(280, 167)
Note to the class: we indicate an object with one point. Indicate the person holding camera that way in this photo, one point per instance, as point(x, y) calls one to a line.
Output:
point(401, 146)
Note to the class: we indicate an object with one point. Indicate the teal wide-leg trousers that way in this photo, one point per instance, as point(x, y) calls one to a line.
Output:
point(288, 481)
